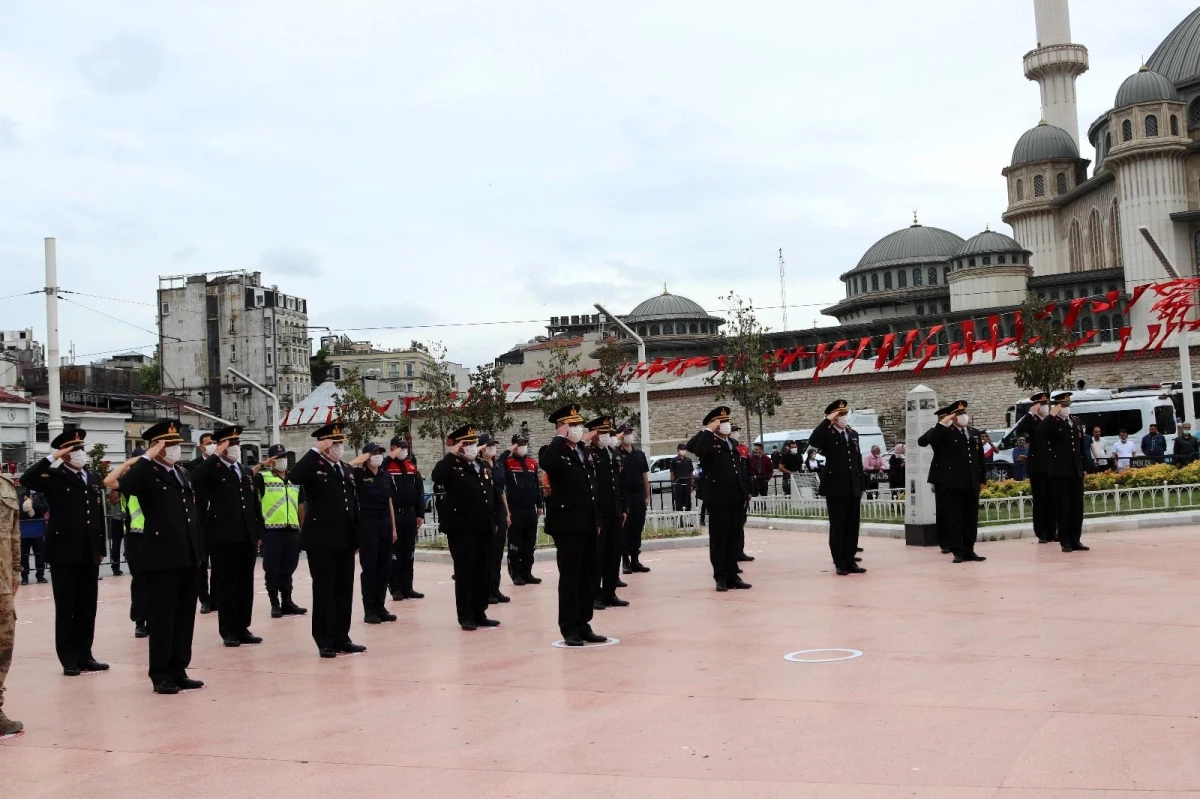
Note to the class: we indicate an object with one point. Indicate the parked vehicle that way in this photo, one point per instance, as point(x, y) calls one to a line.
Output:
point(864, 422)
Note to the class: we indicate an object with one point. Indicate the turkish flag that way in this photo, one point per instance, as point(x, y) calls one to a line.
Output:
point(968, 331)
point(909, 338)
point(930, 351)
point(1152, 333)
point(1109, 302)
point(1045, 312)
point(885, 350)
point(1124, 334)
point(994, 331)
point(1138, 291)
point(1073, 313)
point(1171, 328)
point(863, 343)
point(1084, 339)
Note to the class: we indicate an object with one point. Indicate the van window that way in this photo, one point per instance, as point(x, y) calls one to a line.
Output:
point(1164, 417)
point(1112, 423)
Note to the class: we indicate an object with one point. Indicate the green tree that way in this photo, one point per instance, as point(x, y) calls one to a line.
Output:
point(149, 376)
point(604, 395)
point(359, 414)
point(561, 383)
point(749, 375)
point(1042, 365)
point(438, 403)
point(98, 465)
point(485, 406)
point(318, 367)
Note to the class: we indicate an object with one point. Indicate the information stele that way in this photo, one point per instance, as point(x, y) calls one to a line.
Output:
point(920, 521)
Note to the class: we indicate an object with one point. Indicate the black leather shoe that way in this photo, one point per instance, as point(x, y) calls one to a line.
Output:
point(858, 560)
point(485, 622)
point(739, 583)
point(92, 665)
point(598, 604)
point(290, 608)
point(1068, 549)
point(413, 595)
point(468, 626)
point(518, 580)
point(118, 573)
point(371, 617)
point(166, 687)
point(205, 607)
point(626, 568)
point(1043, 540)
point(958, 559)
point(327, 652)
point(842, 572)
point(248, 637)
point(977, 557)
point(1081, 548)
point(42, 580)
point(638, 567)
point(276, 612)
point(622, 584)
point(140, 630)
point(186, 683)
point(385, 616)
point(722, 586)
point(531, 580)
point(501, 598)
point(492, 600)
point(616, 602)
point(573, 640)
point(857, 570)
point(397, 596)
point(352, 648)
point(744, 558)
point(593, 638)
point(24, 579)
point(945, 552)
point(858, 549)
point(739, 570)
point(71, 671)
point(232, 641)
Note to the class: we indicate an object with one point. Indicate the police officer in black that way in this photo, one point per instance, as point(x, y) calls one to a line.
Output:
point(329, 537)
point(233, 526)
point(206, 579)
point(466, 517)
point(635, 485)
point(490, 458)
point(408, 499)
point(1066, 441)
point(1030, 426)
point(524, 492)
point(725, 495)
point(936, 473)
point(172, 551)
point(610, 506)
point(683, 473)
point(376, 531)
point(842, 483)
point(75, 537)
point(963, 474)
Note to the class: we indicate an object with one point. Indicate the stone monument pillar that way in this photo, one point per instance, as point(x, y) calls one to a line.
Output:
point(920, 521)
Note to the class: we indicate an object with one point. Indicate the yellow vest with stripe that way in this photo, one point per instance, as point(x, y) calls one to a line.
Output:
point(280, 502)
point(132, 508)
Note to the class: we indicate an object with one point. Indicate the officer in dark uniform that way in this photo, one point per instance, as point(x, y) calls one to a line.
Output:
point(842, 483)
point(75, 537)
point(683, 474)
point(489, 457)
point(635, 485)
point(134, 520)
point(376, 531)
point(524, 491)
point(743, 464)
point(610, 505)
point(329, 537)
point(1030, 426)
point(466, 518)
point(963, 474)
point(1066, 442)
point(172, 551)
point(206, 582)
point(408, 499)
point(936, 475)
point(233, 526)
point(725, 494)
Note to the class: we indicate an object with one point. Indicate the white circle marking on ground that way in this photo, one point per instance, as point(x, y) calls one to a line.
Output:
point(561, 644)
point(795, 657)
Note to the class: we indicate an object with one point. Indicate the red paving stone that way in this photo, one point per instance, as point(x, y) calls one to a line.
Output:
point(1035, 675)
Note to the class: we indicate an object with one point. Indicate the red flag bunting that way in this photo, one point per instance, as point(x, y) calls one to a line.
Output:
point(1084, 339)
point(1125, 333)
point(905, 350)
point(1073, 313)
point(885, 350)
point(863, 343)
point(968, 347)
point(994, 332)
point(930, 351)
point(1137, 295)
point(1152, 334)
point(1109, 302)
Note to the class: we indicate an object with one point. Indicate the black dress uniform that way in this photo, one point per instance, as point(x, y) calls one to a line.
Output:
point(610, 506)
point(962, 476)
point(683, 471)
point(1030, 426)
point(75, 539)
point(725, 497)
point(206, 578)
point(1066, 442)
point(842, 484)
point(408, 499)
point(233, 526)
point(329, 536)
point(376, 526)
point(499, 518)
point(937, 470)
point(524, 491)
point(634, 469)
point(743, 464)
point(466, 518)
point(172, 551)
point(572, 521)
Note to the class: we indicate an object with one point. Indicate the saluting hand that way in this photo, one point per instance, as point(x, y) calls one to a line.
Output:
point(63, 453)
point(946, 421)
point(156, 449)
point(323, 446)
point(833, 416)
point(222, 448)
point(360, 459)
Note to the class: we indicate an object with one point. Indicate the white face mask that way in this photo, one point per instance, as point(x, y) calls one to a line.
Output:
point(575, 433)
point(77, 458)
point(962, 420)
point(336, 451)
point(842, 421)
point(522, 451)
point(605, 440)
point(377, 460)
point(630, 439)
point(1064, 411)
point(172, 454)
point(471, 451)
point(490, 451)
point(233, 454)
point(736, 435)
point(209, 449)
point(724, 427)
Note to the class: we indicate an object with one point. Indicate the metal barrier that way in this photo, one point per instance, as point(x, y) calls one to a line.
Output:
point(1109, 502)
point(889, 507)
point(659, 524)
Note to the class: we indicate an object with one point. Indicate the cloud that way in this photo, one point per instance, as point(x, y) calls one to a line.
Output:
point(123, 65)
point(292, 262)
point(8, 133)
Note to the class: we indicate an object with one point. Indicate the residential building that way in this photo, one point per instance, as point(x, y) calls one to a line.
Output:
point(394, 372)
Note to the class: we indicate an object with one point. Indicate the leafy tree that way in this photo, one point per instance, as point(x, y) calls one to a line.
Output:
point(359, 414)
point(604, 395)
point(485, 405)
point(149, 377)
point(749, 375)
point(318, 367)
point(1044, 364)
point(98, 466)
point(561, 382)
point(438, 403)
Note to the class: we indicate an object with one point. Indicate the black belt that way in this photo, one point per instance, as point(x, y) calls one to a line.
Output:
point(374, 513)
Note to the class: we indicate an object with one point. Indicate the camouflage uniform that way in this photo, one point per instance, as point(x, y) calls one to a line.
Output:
point(10, 565)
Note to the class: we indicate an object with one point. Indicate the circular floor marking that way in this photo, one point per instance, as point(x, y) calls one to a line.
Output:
point(797, 657)
point(561, 644)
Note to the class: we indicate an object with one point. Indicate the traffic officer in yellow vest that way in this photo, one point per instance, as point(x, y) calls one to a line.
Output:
point(283, 513)
point(135, 526)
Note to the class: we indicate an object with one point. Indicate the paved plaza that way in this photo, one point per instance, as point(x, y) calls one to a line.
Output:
point(1035, 675)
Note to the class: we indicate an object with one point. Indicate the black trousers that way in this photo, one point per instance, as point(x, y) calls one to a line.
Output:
point(499, 538)
point(1045, 525)
point(942, 517)
point(681, 495)
point(962, 519)
point(576, 553)
point(722, 539)
point(1068, 509)
point(608, 558)
point(281, 556)
point(522, 539)
point(762, 485)
point(375, 557)
point(472, 554)
point(74, 587)
point(739, 541)
point(400, 571)
point(635, 522)
point(36, 546)
point(234, 563)
point(206, 585)
point(787, 484)
point(172, 609)
point(843, 529)
point(115, 537)
point(333, 596)
point(139, 601)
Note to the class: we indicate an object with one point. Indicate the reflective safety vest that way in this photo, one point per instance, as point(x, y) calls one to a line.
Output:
point(280, 502)
point(132, 509)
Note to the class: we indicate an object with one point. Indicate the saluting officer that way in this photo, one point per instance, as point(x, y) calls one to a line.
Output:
point(1065, 441)
point(735, 433)
point(75, 537)
point(842, 483)
point(466, 518)
point(408, 498)
point(206, 578)
point(573, 522)
point(376, 531)
point(725, 494)
point(172, 551)
point(937, 471)
point(610, 503)
point(500, 516)
point(962, 476)
point(1030, 426)
point(283, 515)
point(329, 537)
point(135, 527)
point(524, 491)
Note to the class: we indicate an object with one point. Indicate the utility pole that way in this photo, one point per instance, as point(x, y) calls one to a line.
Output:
point(643, 391)
point(783, 289)
point(54, 389)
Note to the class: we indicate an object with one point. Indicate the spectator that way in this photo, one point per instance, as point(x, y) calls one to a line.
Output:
point(1154, 444)
point(33, 534)
point(989, 449)
point(812, 462)
point(1184, 451)
point(873, 465)
point(1122, 450)
point(1100, 456)
point(897, 468)
point(775, 456)
point(790, 463)
point(761, 470)
point(1021, 459)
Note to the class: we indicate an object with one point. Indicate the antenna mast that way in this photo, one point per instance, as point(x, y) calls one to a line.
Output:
point(783, 289)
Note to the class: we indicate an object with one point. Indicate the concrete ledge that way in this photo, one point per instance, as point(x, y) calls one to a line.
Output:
point(549, 553)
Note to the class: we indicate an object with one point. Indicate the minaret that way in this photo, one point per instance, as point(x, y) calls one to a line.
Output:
point(1055, 65)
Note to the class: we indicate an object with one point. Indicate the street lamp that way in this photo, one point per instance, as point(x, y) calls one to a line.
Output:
point(644, 397)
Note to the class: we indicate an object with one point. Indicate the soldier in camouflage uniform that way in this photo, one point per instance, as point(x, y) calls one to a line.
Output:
point(10, 564)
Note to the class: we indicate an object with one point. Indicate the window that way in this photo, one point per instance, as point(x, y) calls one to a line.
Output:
point(887, 280)
point(1000, 259)
point(970, 262)
point(267, 326)
point(1096, 239)
point(233, 353)
point(1039, 186)
point(1106, 333)
point(1174, 125)
point(654, 330)
point(1020, 190)
point(642, 330)
point(1126, 131)
point(902, 279)
point(945, 307)
point(1054, 295)
point(166, 309)
point(1194, 113)
point(1151, 126)
point(1069, 294)
point(920, 310)
point(1041, 296)
point(875, 282)
point(1060, 183)
point(1114, 235)
point(1118, 322)
point(987, 260)
point(693, 329)
point(1107, 144)
point(394, 370)
point(943, 343)
point(933, 275)
point(916, 275)
point(946, 274)
point(408, 369)
point(268, 357)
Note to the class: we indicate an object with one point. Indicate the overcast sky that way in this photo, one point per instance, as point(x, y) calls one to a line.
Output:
point(402, 163)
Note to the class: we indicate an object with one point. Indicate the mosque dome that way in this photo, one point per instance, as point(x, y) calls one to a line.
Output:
point(1178, 57)
point(988, 242)
point(1044, 143)
point(911, 245)
point(667, 306)
point(1145, 86)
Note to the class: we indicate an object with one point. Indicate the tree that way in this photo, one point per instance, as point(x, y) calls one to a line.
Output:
point(149, 376)
point(749, 375)
point(1044, 364)
point(561, 383)
point(98, 465)
point(318, 367)
point(604, 395)
point(438, 403)
point(485, 406)
point(359, 414)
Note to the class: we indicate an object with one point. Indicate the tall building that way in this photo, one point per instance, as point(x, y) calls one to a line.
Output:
point(208, 323)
